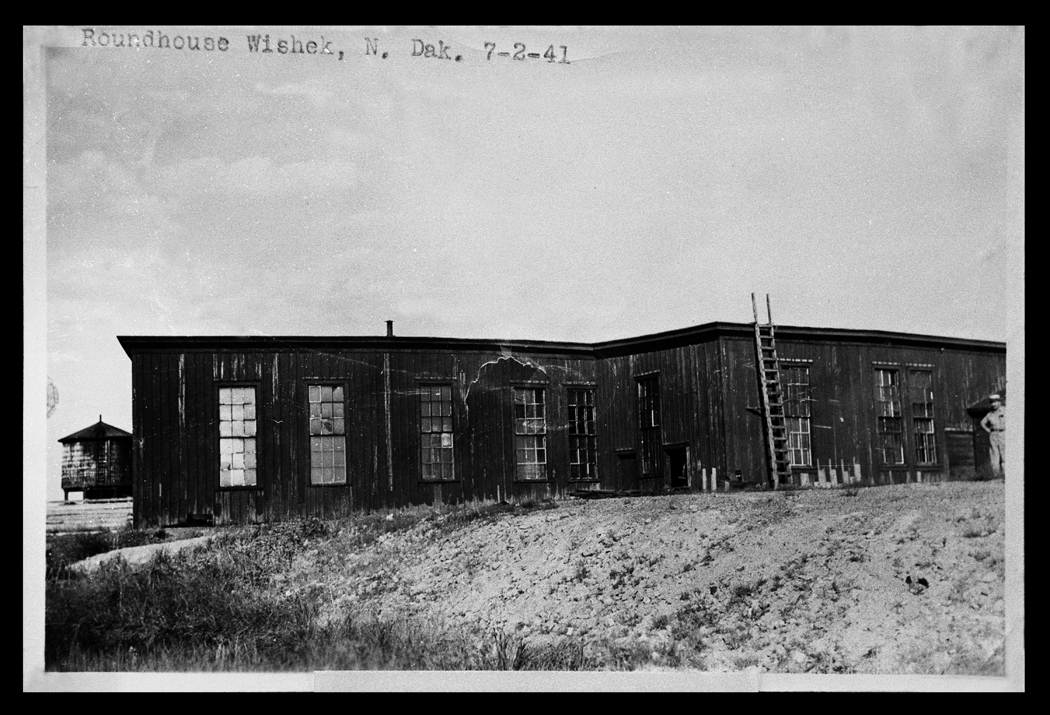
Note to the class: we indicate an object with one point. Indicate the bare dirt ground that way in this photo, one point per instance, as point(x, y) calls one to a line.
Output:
point(899, 579)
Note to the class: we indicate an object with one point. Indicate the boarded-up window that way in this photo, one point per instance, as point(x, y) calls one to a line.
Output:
point(435, 426)
point(237, 437)
point(327, 434)
point(920, 386)
point(530, 433)
point(583, 461)
point(796, 411)
point(649, 425)
point(890, 440)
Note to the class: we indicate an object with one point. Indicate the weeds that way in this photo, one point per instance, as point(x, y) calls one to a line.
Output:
point(174, 602)
point(580, 571)
point(64, 550)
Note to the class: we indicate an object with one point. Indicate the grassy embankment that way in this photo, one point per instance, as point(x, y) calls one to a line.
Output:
point(217, 608)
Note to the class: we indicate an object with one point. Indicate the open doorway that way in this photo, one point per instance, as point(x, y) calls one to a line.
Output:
point(677, 463)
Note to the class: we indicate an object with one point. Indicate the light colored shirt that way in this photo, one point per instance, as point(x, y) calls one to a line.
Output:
point(995, 421)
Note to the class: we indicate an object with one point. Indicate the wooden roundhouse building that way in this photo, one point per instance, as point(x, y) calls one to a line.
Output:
point(240, 429)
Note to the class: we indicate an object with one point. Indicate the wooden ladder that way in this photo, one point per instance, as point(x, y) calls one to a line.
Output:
point(768, 367)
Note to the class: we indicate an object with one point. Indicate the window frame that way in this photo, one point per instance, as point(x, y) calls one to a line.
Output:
point(907, 419)
point(889, 411)
point(321, 383)
point(451, 432)
point(219, 420)
point(805, 414)
point(538, 439)
point(649, 403)
point(928, 437)
point(589, 437)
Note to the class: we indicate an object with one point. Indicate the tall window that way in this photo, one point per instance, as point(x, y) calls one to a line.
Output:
point(890, 442)
point(530, 433)
point(796, 411)
point(237, 440)
point(920, 385)
point(583, 462)
point(327, 435)
point(649, 425)
point(435, 426)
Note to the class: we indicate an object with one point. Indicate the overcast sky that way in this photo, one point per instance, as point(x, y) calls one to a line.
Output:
point(865, 178)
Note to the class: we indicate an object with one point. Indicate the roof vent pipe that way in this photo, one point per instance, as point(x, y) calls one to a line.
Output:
point(390, 328)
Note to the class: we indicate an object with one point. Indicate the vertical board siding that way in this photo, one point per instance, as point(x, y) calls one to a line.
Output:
point(705, 390)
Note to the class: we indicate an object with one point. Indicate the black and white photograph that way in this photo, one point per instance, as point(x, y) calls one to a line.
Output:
point(523, 358)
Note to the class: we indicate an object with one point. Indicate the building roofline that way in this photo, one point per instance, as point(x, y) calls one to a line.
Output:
point(609, 348)
point(98, 432)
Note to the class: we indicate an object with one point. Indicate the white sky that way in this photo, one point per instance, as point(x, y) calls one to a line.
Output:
point(865, 178)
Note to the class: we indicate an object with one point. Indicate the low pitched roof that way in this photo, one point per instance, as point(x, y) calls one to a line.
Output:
point(98, 431)
point(609, 348)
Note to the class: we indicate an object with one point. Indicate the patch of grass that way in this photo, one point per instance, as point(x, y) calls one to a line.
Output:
point(67, 549)
point(63, 550)
point(740, 594)
point(580, 571)
point(194, 604)
point(747, 661)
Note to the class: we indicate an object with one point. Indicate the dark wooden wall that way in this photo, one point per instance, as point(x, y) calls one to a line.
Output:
point(843, 394)
point(706, 389)
point(691, 405)
point(175, 414)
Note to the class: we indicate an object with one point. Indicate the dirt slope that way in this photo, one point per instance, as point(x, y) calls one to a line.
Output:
point(901, 579)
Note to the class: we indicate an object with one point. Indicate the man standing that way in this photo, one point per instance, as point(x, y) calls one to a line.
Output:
point(994, 423)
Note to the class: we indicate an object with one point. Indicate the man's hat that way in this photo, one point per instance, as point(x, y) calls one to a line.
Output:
point(995, 397)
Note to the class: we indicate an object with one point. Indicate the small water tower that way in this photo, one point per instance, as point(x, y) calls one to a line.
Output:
point(97, 462)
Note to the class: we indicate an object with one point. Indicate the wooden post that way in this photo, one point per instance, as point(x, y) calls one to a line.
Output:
point(856, 472)
point(714, 479)
point(834, 475)
point(805, 479)
point(703, 479)
point(822, 476)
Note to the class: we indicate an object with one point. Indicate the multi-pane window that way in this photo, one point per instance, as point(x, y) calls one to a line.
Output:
point(435, 426)
point(649, 425)
point(920, 387)
point(327, 434)
point(237, 440)
point(796, 411)
point(890, 439)
point(530, 432)
point(583, 462)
